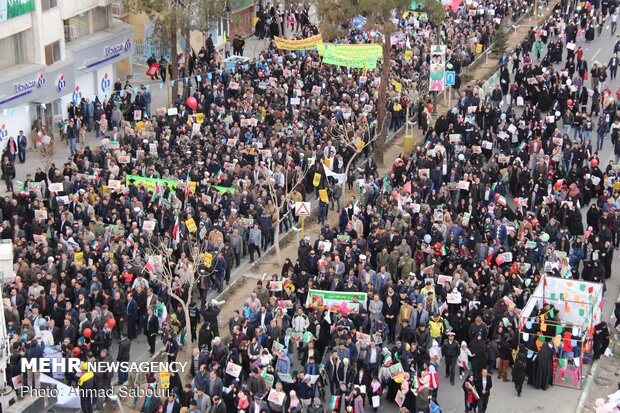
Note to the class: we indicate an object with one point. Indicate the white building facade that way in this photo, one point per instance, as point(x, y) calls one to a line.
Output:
point(53, 52)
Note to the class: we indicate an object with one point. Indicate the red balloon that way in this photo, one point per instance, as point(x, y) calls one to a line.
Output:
point(497, 196)
point(191, 102)
point(569, 102)
point(87, 332)
point(260, 74)
point(499, 260)
point(111, 323)
point(430, 107)
point(594, 163)
point(76, 351)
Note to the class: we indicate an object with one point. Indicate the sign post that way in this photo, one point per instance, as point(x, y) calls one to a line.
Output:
point(302, 209)
point(450, 81)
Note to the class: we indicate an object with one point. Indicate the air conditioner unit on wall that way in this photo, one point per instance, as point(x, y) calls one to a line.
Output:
point(70, 32)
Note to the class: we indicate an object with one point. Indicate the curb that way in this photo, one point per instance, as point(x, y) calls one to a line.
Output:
point(586, 388)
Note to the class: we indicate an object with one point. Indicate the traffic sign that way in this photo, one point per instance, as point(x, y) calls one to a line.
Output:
point(450, 78)
point(302, 209)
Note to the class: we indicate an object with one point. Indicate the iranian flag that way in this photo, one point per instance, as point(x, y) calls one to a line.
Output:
point(149, 267)
point(218, 175)
point(387, 360)
point(308, 337)
point(475, 393)
point(175, 232)
point(414, 381)
point(522, 145)
point(334, 403)
point(444, 250)
point(156, 192)
point(501, 200)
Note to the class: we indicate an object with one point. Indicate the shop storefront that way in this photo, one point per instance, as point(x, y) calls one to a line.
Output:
point(34, 94)
point(95, 66)
point(44, 92)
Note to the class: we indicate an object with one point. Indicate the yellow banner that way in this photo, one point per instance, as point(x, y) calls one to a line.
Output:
point(191, 225)
point(303, 44)
point(78, 258)
point(317, 179)
point(323, 195)
point(208, 259)
point(352, 50)
point(164, 379)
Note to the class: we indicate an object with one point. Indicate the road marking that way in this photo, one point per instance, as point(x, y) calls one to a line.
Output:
point(596, 54)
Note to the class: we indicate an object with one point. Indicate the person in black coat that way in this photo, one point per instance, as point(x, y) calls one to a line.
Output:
point(132, 316)
point(542, 372)
point(152, 328)
point(478, 349)
point(124, 354)
point(484, 383)
point(176, 406)
point(518, 371)
point(601, 339)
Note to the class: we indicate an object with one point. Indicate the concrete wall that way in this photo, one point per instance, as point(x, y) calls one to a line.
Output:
point(69, 8)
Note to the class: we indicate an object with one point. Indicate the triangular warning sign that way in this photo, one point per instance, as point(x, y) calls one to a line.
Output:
point(301, 209)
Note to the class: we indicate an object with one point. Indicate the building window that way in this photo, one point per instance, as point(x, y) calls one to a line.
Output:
point(76, 26)
point(10, 51)
point(52, 53)
point(48, 4)
point(100, 17)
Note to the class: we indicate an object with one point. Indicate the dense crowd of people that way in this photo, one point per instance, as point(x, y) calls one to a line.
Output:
point(438, 225)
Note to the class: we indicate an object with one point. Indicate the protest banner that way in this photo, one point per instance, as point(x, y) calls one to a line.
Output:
point(437, 68)
point(233, 369)
point(351, 62)
point(352, 50)
point(336, 300)
point(149, 183)
point(303, 44)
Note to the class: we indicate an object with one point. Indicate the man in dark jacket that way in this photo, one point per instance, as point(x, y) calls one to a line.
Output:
point(450, 350)
point(152, 328)
point(8, 173)
point(124, 354)
point(132, 316)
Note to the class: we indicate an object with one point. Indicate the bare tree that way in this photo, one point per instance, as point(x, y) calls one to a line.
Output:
point(48, 152)
point(351, 133)
point(180, 277)
point(280, 195)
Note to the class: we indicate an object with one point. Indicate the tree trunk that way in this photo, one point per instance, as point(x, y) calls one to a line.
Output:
point(346, 173)
point(187, 82)
point(185, 305)
point(174, 74)
point(277, 236)
point(382, 109)
point(188, 323)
